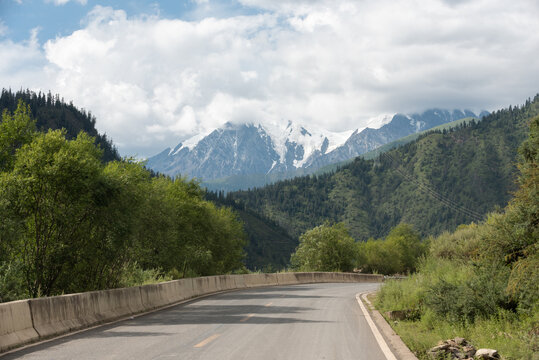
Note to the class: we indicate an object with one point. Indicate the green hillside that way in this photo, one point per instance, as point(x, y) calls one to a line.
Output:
point(394, 144)
point(269, 246)
point(53, 113)
point(442, 179)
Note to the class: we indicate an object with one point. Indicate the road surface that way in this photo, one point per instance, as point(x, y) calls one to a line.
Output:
point(312, 321)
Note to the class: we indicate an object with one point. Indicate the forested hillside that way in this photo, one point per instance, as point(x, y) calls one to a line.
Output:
point(51, 112)
point(443, 179)
point(269, 246)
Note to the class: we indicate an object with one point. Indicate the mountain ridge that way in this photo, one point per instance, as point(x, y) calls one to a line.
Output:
point(440, 180)
point(244, 182)
point(256, 148)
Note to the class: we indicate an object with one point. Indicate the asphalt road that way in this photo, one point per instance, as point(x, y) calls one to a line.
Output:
point(314, 321)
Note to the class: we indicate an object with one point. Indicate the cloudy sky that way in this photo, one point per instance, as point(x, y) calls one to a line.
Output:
point(157, 73)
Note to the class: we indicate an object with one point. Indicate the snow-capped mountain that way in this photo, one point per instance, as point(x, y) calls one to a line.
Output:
point(236, 149)
point(254, 148)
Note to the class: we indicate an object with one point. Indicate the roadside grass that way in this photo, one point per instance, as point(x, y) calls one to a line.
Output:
point(515, 336)
point(513, 339)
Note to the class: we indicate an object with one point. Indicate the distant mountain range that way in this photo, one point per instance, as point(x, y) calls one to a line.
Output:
point(255, 148)
point(436, 182)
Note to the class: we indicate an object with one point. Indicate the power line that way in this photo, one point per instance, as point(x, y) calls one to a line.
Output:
point(435, 194)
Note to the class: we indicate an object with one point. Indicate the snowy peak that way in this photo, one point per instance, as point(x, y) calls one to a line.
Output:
point(279, 147)
point(378, 121)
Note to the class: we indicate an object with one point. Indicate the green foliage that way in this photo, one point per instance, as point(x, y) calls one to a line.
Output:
point(398, 253)
point(71, 223)
point(16, 130)
point(134, 275)
point(325, 248)
point(462, 244)
point(402, 295)
point(12, 285)
point(506, 332)
point(457, 298)
point(50, 191)
point(407, 243)
point(264, 235)
point(523, 284)
point(376, 257)
point(478, 292)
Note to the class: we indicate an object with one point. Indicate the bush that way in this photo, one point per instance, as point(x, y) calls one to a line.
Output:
point(134, 275)
point(463, 244)
point(456, 291)
point(404, 294)
point(398, 253)
point(478, 292)
point(325, 248)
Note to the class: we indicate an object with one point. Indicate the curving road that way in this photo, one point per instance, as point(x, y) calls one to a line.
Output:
point(314, 321)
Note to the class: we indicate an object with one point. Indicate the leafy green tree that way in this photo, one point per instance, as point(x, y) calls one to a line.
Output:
point(186, 235)
point(406, 242)
point(50, 193)
point(158, 243)
point(513, 236)
point(325, 248)
point(71, 223)
point(398, 253)
point(113, 219)
point(228, 239)
point(211, 239)
point(376, 257)
point(16, 130)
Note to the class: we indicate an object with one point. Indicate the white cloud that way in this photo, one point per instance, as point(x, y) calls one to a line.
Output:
point(23, 65)
point(153, 81)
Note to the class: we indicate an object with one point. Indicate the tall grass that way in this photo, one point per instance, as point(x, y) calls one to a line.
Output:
point(458, 292)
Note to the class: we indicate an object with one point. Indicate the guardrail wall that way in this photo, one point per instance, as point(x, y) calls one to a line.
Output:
point(26, 321)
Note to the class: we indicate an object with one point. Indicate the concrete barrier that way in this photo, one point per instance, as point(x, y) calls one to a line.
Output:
point(16, 325)
point(186, 288)
point(155, 295)
point(252, 280)
point(306, 278)
point(61, 314)
point(239, 281)
point(286, 279)
point(228, 282)
point(117, 303)
point(25, 321)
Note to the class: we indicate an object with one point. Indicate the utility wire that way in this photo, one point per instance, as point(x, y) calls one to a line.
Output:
point(435, 194)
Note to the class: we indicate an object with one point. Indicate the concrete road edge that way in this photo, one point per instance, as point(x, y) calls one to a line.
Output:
point(390, 339)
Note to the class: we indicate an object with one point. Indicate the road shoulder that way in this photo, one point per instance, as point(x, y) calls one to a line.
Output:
point(397, 346)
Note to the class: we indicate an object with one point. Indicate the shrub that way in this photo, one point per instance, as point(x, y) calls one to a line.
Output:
point(463, 244)
point(478, 292)
point(398, 253)
point(134, 275)
point(325, 248)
